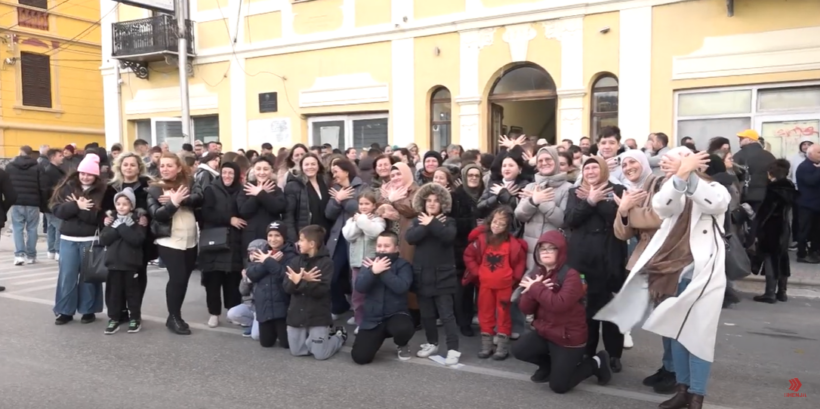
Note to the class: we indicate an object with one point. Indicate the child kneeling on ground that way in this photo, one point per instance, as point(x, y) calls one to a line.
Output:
point(267, 272)
point(496, 260)
point(384, 282)
point(308, 283)
point(123, 238)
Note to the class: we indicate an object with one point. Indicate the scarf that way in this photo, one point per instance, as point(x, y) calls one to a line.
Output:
point(665, 267)
point(646, 170)
point(603, 180)
point(473, 192)
point(237, 183)
point(556, 177)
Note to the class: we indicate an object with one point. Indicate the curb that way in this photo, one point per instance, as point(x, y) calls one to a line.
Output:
point(792, 281)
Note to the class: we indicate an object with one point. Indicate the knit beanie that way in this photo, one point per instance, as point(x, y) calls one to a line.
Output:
point(433, 154)
point(277, 226)
point(69, 148)
point(258, 244)
point(129, 194)
point(90, 164)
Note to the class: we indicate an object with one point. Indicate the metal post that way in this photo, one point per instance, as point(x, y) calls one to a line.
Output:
point(182, 51)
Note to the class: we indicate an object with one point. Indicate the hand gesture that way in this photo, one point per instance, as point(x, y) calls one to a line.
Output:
point(84, 203)
point(581, 193)
point(389, 212)
point(278, 256)
point(598, 194)
point(510, 143)
point(108, 220)
point(496, 189)
point(180, 194)
point(252, 190)
point(394, 195)
point(164, 199)
point(549, 284)
point(268, 186)
point(543, 195)
point(244, 273)
point(143, 221)
point(71, 198)
point(381, 265)
point(612, 163)
point(294, 276)
point(630, 199)
point(238, 223)
point(425, 219)
point(343, 194)
point(259, 256)
point(670, 164)
point(367, 262)
point(441, 218)
point(457, 183)
point(527, 282)
point(693, 162)
point(528, 157)
point(311, 276)
point(514, 190)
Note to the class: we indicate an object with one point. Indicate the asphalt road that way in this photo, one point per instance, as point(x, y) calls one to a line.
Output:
point(760, 347)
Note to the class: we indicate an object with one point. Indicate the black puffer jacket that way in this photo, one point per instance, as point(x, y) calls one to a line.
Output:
point(140, 188)
point(161, 215)
point(434, 264)
point(297, 212)
point(7, 196)
point(756, 161)
point(465, 211)
point(52, 176)
point(269, 294)
point(218, 207)
point(76, 222)
point(310, 302)
point(124, 245)
point(28, 181)
point(259, 211)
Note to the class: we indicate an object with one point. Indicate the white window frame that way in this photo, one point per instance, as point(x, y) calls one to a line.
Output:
point(759, 120)
point(348, 128)
point(154, 126)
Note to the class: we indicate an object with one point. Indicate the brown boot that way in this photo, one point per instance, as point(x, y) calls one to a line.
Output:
point(695, 401)
point(680, 400)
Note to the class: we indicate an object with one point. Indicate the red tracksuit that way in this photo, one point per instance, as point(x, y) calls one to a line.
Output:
point(498, 269)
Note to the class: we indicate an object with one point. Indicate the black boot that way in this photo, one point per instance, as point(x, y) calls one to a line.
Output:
point(177, 325)
point(771, 286)
point(680, 400)
point(782, 283)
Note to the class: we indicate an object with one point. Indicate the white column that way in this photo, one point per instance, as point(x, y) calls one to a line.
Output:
point(111, 77)
point(401, 11)
point(348, 14)
point(239, 120)
point(403, 101)
point(634, 73)
point(571, 90)
point(287, 18)
point(469, 100)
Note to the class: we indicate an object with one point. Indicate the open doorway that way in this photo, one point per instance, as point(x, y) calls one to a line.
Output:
point(523, 101)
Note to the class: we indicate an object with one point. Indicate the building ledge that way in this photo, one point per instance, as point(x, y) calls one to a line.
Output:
point(57, 111)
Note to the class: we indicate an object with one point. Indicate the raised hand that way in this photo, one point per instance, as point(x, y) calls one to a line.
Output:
point(527, 282)
point(312, 276)
point(692, 162)
point(442, 218)
point(278, 256)
point(425, 219)
point(582, 193)
point(344, 194)
point(294, 276)
point(496, 189)
point(177, 196)
point(670, 164)
point(367, 262)
point(84, 203)
point(543, 195)
point(381, 265)
point(394, 195)
point(268, 186)
point(252, 190)
point(598, 194)
point(260, 256)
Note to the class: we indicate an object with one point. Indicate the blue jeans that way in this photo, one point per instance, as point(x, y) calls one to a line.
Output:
point(53, 233)
point(25, 218)
point(668, 362)
point(689, 369)
point(73, 296)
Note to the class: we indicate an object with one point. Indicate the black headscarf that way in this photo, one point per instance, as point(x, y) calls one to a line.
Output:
point(237, 183)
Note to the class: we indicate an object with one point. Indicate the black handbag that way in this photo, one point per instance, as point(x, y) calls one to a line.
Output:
point(92, 267)
point(214, 239)
point(738, 264)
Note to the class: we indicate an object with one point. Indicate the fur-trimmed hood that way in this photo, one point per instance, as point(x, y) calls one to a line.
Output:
point(443, 197)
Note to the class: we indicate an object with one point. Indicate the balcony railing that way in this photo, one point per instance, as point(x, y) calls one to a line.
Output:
point(35, 19)
point(149, 39)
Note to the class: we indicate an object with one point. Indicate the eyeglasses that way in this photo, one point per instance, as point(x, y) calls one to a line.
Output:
point(474, 176)
point(548, 250)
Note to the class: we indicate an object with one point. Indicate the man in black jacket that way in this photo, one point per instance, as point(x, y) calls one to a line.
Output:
point(756, 161)
point(7, 198)
point(27, 179)
point(53, 174)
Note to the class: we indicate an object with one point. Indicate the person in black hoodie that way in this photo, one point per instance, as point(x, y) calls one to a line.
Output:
point(260, 203)
point(221, 268)
point(7, 198)
point(434, 267)
point(384, 281)
point(595, 251)
point(465, 210)
point(77, 201)
point(28, 181)
point(123, 238)
point(773, 231)
point(308, 283)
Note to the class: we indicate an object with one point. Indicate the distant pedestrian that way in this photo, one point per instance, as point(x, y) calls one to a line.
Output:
point(7, 198)
point(28, 181)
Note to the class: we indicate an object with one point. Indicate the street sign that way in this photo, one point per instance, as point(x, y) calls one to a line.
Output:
point(166, 6)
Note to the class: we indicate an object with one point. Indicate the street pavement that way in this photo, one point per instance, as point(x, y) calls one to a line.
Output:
point(760, 348)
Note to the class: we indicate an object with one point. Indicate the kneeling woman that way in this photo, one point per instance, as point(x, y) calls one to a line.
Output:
point(77, 202)
point(555, 293)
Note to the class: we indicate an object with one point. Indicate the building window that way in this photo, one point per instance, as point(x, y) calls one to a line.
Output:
point(349, 131)
point(35, 71)
point(35, 19)
point(783, 115)
point(206, 128)
point(441, 130)
point(604, 104)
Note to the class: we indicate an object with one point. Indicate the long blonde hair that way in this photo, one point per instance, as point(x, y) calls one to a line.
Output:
point(118, 179)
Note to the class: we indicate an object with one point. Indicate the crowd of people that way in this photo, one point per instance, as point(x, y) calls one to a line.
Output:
point(552, 247)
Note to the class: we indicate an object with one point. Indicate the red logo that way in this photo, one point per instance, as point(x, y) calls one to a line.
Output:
point(795, 385)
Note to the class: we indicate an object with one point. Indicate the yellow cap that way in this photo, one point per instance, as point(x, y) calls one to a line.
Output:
point(749, 134)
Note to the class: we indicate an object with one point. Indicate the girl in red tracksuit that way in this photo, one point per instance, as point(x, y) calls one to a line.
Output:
point(496, 260)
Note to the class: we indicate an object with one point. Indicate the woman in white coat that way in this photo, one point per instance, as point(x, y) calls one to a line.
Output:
point(689, 317)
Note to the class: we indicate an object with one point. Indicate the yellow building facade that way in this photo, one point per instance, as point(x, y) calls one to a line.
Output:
point(354, 72)
point(50, 86)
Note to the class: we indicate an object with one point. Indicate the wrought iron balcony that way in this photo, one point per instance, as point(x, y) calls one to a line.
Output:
point(138, 42)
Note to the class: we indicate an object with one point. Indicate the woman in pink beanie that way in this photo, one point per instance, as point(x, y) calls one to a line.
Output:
point(77, 201)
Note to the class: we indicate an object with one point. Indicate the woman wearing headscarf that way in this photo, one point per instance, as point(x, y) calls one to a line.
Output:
point(221, 269)
point(465, 210)
point(595, 251)
point(432, 161)
point(685, 262)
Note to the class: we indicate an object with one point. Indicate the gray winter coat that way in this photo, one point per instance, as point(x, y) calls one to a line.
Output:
point(340, 212)
point(544, 217)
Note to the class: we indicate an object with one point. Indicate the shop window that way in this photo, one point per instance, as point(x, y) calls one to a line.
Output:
point(702, 130)
point(206, 128)
point(780, 99)
point(35, 71)
point(440, 119)
point(345, 131)
point(604, 103)
point(715, 103)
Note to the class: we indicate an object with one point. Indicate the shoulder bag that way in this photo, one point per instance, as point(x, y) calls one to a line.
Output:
point(214, 239)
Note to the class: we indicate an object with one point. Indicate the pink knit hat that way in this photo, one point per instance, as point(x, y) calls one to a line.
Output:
point(90, 164)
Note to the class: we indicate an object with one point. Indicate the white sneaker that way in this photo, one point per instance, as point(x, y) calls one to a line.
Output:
point(51, 255)
point(426, 350)
point(452, 357)
point(56, 256)
point(351, 321)
point(439, 323)
point(514, 336)
point(334, 317)
point(628, 341)
point(213, 322)
point(30, 260)
point(475, 320)
point(18, 261)
point(356, 331)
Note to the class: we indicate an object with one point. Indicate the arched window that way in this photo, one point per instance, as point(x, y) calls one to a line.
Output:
point(604, 104)
point(440, 123)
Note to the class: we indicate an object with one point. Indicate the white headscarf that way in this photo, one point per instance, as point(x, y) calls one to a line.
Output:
point(646, 170)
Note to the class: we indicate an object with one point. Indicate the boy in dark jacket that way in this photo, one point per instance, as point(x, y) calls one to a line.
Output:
point(384, 281)
point(124, 237)
point(267, 272)
point(773, 231)
point(308, 283)
point(434, 268)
